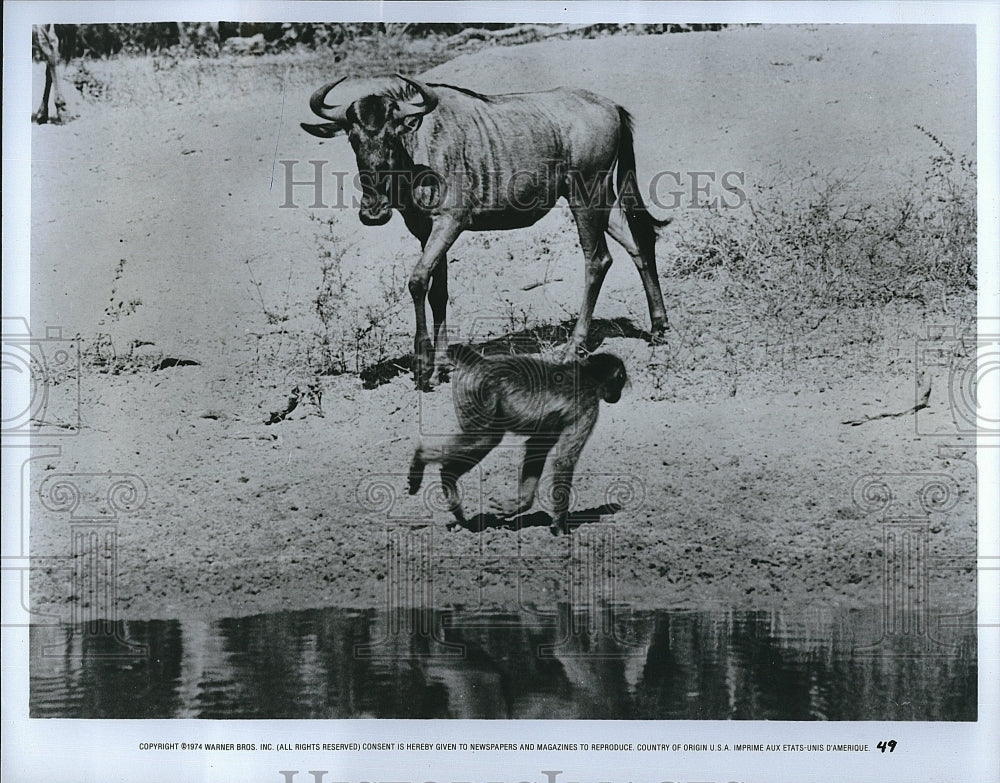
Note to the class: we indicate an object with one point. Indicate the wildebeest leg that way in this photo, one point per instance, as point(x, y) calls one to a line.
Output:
point(564, 458)
point(645, 262)
point(45, 41)
point(52, 74)
point(536, 451)
point(420, 226)
point(591, 224)
point(437, 296)
point(42, 115)
point(442, 236)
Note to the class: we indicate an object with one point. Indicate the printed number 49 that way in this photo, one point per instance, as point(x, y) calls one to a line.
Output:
point(891, 744)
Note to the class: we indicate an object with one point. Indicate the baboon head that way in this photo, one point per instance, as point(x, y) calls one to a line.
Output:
point(607, 372)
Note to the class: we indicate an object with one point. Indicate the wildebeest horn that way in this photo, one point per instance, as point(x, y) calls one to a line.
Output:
point(429, 103)
point(320, 107)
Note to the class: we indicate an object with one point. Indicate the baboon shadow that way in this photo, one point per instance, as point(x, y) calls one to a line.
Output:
point(488, 520)
point(524, 341)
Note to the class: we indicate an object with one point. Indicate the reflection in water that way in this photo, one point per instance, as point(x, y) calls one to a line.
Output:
point(609, 663)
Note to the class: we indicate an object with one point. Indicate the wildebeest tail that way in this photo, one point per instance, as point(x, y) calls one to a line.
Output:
point(643, 224)
point(464, 355)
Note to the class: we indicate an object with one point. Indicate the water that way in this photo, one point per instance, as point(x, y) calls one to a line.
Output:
point(612, 662)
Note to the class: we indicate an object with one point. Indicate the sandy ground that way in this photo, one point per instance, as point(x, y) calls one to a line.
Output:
point(723, 478)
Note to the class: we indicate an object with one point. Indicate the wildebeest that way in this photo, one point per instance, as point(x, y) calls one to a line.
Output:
point(45, 41)
point(554, 404)
point(451, 160)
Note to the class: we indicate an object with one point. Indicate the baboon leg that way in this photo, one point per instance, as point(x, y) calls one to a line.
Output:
point(457, 456)
point(460, 460)
point(591, 224)
point(437, 296)
point(645, 262)
point(536, 452)
point(564, 458)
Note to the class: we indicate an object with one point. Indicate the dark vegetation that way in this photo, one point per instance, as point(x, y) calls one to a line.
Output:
point(96, 41)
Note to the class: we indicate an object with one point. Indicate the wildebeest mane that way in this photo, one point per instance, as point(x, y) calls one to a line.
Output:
point(407, 92)
point(464, 91)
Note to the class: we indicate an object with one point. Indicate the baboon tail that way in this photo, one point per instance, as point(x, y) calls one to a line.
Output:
point(642, 224)
point(464, 355)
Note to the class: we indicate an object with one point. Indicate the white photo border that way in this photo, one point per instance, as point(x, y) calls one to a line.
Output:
point(101, 750)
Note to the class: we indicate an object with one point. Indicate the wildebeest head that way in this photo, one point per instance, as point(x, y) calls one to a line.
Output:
point(375, 125)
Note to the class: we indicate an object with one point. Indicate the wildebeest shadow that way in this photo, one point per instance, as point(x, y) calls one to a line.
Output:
point(487, 520)
point(524, 341)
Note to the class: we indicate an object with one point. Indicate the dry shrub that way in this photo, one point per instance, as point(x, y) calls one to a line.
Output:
point(810, 244)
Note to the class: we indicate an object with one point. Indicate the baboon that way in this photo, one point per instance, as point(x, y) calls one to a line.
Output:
point(554, 404)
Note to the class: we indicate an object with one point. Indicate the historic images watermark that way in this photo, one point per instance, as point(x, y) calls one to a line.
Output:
point(310, 184)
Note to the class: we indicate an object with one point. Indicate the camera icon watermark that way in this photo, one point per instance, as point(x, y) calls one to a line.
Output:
point(967, 364)
point(41, 380)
